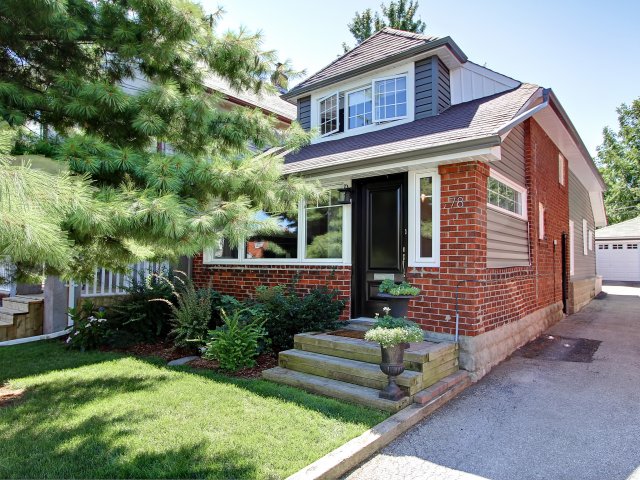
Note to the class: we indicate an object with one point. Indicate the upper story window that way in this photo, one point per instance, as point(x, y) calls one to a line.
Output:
point(329, 108)
point(378, 101)
point(506, 196)
point(390, 98)
point(360, 109)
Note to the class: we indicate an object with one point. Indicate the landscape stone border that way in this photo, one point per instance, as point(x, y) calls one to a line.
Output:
point(348, 456)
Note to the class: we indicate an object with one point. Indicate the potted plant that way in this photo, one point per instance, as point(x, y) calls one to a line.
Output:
point(398, 296)
point(393, 334)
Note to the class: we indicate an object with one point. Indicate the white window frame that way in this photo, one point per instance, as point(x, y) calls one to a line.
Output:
point(414, 258)
point(541, 219)
point(511, 184)
point(208, 259)
point(572, 254)
point(585, 237)
point(346, 107)
point(373, 98)
point(320, 100)
point(591, 240)
point(561, 172)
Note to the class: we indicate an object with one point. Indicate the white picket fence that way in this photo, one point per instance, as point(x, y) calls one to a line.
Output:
point(107, 283)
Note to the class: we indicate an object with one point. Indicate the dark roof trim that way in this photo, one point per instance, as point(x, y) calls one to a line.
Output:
point(462, 146)
point(391, 59)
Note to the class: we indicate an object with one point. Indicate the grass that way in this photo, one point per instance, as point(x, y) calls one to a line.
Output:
point(106, 415)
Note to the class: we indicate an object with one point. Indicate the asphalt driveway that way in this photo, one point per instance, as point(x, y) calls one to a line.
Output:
point(539, 415)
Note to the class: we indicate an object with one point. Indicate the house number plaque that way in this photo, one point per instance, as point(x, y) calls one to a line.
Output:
point(456, 202)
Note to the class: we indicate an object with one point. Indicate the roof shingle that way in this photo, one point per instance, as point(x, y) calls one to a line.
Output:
point(627, 229)
point(466, 121)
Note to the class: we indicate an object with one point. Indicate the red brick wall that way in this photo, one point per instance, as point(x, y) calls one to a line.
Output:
point(488, 297)
point(241, 281)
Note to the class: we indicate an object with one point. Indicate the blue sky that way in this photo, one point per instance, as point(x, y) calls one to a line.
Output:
point(586, 51)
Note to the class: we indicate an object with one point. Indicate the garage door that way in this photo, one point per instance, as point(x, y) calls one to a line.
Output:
point(618, 261)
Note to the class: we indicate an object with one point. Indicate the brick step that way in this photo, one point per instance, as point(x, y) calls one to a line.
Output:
point(415, 357)
point(345, 370)
point(335, 389)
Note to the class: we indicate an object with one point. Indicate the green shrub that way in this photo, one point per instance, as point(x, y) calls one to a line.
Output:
point(393, 288)
point(287, 313)
point(90, 327)
point(139, 317)
point(236, 343)
point(190, 314)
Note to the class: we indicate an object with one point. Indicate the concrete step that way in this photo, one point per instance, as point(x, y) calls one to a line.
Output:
point(335, 389)
point(346, 370)
point(416, 356)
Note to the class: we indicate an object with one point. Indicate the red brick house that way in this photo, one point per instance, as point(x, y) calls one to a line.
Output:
point(471, 185)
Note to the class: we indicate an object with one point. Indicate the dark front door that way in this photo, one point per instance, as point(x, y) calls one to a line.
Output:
point(380, 239)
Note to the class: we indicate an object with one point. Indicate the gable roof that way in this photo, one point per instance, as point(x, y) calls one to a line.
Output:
point(267, 102)
point(477, 121)
point(384, 47)
point(627, 229)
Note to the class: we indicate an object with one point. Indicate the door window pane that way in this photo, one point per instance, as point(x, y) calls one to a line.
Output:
point(324, 228)
point(384, 225)
point(280, 244)
point(426, 217)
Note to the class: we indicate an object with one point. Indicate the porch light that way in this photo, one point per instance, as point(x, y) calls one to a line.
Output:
point(345, 195)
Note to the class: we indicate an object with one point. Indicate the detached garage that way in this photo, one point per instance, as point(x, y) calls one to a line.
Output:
point(618, 251)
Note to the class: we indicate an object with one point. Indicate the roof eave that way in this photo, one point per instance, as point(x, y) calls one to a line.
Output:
point(441, 42)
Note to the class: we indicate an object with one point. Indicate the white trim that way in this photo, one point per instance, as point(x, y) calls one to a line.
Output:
point(572, 254)
point(591, 240)
point(37, 338)
point(561, 169)
point(511, 184)
point(540, 221)
point(414, 258)
point(585, 236)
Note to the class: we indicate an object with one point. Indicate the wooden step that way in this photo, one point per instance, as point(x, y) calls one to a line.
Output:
point(346, 370)
point(20, 302)
point(415, 356)
point(335, 389)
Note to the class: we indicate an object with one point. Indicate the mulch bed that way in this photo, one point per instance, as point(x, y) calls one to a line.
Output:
point(348, 333)
point(165, 350)
point(9, 397)
point(263, 362)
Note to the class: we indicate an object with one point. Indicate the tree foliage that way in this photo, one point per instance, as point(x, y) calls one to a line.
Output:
point(115, 81)
point(619, 163)
point(398, 14)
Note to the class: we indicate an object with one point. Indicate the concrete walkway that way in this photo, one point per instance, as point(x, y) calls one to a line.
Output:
point(538, 418)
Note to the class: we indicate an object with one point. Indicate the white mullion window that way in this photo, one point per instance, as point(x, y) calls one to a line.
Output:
point(506, 196)
point(359, 111)
point(328, 114)
point(424, 218)
point(390, 98)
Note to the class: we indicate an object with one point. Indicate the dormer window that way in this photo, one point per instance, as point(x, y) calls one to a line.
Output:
point(360, 108)
point(330, 109)
point(390, 98)
point(381, 101)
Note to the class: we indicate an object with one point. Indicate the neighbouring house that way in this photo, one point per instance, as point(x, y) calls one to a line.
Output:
point(470, 184)
point(618, 251)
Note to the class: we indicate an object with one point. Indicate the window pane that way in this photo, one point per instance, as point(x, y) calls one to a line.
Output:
point(359, 108)
point(324, 232)
point(282, 244)
point(503, 196)
point(391, 98)
point(328, 114)
point(224, 250)
point(426, 217)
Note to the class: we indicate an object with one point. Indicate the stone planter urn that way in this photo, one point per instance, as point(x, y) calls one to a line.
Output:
point(392, 365)
point(399, 304)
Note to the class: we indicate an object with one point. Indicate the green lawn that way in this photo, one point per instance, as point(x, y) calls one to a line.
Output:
point(104, 415)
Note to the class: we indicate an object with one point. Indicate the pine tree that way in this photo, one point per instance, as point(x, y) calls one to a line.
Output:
point(619, 163)
point(72, 66)
point(398, 14)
